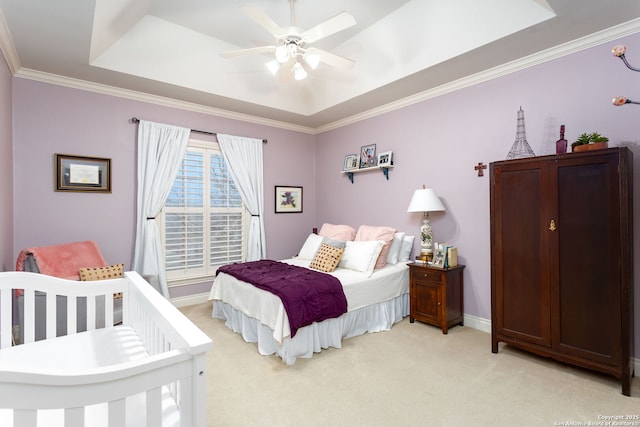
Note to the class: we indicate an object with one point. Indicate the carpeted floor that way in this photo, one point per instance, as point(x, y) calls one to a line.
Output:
point(412, 375)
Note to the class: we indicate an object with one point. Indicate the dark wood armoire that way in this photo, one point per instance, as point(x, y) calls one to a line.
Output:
point(562, 258)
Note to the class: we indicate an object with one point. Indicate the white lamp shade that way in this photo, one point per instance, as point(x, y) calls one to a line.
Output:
point(298, 71)
point(312, 58)
point(282, 54)
point(273, 67)
point(425, 200)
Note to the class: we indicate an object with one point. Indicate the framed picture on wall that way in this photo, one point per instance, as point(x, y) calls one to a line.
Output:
point(385, 158)
point(84, 174)
point(368, 156)
point(288, 199)
point(350, 162)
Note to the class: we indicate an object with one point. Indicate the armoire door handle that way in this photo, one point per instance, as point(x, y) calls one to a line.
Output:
point(552, 225)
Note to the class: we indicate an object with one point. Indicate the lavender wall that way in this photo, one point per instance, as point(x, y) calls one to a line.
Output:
point(439, 141)
point(53, 119)
point(436, 142)
point(6, 170)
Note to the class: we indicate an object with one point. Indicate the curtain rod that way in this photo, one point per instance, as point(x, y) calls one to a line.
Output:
point(137, 120)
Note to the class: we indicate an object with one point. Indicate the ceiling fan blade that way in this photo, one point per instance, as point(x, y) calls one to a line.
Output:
point(333, 59)
point(250, 51)
point(340, 22)
point(263, 20)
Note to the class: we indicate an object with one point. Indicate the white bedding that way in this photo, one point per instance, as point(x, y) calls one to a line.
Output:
point(374, 304)
point(383, 285)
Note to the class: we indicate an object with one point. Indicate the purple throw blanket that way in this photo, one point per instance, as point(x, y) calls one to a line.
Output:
point(307, 295)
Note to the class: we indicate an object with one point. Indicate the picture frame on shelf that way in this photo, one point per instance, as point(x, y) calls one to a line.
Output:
point(288, 199)
point(368, 156)
point(385, 158)
point(350, 162)
point(82, 174)
point(438, 258)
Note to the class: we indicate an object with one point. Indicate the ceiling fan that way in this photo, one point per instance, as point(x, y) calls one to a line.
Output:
point(293, 55)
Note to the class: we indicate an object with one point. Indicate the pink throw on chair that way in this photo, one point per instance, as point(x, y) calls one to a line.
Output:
point(64, 260)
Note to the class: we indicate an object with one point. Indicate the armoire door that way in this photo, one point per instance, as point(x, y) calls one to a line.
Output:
point(586, 277)
point(520, 271)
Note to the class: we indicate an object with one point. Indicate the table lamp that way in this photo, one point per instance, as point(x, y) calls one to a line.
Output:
point(425, 200)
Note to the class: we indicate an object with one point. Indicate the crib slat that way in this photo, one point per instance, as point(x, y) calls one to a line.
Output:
point(72, 318)
point(74, 417)
point(184, 398)
point(108, 310)
point(29, 300)
point(154, 407)
point(51, 322)
point(25, 418)
point(5, 320)
point(91, 313)
point(117, 413)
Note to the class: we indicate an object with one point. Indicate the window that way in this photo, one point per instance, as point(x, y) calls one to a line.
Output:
point(204, 222)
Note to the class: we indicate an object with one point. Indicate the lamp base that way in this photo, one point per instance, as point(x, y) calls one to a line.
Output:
point(425, 257)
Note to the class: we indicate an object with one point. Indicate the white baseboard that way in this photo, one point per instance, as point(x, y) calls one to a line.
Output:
point(478, 323)
point(484, 325)
point(190, 300)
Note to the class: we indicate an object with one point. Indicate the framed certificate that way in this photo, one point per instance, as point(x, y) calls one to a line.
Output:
point(76, 173)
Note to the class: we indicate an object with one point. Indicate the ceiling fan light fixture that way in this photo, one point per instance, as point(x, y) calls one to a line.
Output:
point(291, 44)
point(312, 59)
point(273, 66)
point(298, 71)
point(282, 54)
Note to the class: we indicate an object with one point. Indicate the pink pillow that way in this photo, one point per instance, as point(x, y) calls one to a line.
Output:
point(369, 232)
point(339, 232)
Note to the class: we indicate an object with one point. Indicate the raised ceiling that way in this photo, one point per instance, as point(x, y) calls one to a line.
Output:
point(171, 48)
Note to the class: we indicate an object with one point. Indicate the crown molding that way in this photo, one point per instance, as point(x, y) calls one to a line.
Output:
point(7, 47)
point(626, 29)
point(595, 39)
point(56, 79)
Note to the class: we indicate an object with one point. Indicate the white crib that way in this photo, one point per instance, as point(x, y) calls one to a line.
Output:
point(147, 371)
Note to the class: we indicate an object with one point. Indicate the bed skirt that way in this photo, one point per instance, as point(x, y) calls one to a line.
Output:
point(313, 338)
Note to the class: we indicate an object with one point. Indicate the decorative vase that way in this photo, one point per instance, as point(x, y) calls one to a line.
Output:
point(592, 146)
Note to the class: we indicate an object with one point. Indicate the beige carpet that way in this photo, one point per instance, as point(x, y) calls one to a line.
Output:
point(412, 375)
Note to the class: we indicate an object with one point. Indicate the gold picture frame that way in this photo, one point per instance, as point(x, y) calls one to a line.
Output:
point(82, 174)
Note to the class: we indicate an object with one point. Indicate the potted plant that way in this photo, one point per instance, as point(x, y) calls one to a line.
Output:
point(590, 141)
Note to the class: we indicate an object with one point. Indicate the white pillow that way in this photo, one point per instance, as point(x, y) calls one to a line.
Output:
point(361, 255)
point(405, 250)
point(310, 247)
point(396, 245)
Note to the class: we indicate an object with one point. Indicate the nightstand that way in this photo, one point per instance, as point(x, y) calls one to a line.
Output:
point(436, 295)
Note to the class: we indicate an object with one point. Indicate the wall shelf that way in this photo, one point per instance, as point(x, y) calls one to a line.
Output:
point(384, 169)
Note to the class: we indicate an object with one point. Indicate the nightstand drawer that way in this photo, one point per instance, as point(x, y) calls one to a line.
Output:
point(424, 274)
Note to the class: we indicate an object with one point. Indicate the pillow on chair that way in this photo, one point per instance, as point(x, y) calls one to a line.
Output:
point(102, 273)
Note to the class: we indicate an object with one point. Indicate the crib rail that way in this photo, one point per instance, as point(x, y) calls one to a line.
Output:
point(175, 365)
point(30, 284)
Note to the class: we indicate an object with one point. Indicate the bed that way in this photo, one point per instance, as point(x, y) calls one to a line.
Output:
point(376, 298)
point(149, 370)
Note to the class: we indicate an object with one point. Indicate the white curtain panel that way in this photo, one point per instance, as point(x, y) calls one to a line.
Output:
point(161, 149)
point(244, 159)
